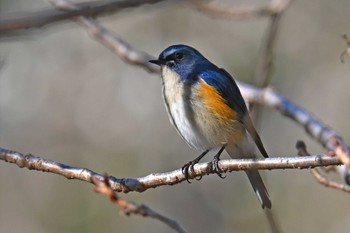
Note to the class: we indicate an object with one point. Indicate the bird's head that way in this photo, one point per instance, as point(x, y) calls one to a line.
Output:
point(181, 59)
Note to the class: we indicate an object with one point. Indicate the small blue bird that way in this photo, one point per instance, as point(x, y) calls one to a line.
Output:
point(207, 109)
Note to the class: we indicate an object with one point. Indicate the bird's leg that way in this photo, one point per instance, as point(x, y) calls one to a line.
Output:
point(189, 166)
point(215, 162)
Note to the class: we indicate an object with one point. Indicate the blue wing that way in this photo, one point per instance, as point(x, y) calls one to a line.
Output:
point(228, 89)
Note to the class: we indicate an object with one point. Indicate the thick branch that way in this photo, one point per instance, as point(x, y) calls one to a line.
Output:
point(168, 178)
point(40, 18)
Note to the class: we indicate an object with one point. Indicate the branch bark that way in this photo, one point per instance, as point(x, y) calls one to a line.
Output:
point(168, 178)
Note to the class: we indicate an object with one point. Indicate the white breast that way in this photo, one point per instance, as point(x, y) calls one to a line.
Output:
point(177, 101)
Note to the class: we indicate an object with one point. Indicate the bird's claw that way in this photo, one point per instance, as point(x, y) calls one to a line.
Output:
point(215, 166)
point(188, 167)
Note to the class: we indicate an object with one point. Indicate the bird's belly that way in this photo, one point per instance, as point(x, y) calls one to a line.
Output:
point(185, 124)
point(178, 104)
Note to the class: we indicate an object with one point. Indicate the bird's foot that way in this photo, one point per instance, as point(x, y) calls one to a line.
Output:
point(188, 167)
point(215, 163)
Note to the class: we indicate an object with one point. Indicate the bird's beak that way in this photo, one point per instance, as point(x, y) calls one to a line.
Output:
point(157, 62)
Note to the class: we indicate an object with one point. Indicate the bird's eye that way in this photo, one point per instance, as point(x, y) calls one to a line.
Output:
point(179, 56)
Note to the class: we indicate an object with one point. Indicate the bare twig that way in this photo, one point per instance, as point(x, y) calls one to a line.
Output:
point(302, 151)
point(214, 9)
point(346, 52)
point(110, 40)
point(265, 62)
point(264, 66)
point(168, 178)
point(103, 187)
point(328, 183)
point(16, 21)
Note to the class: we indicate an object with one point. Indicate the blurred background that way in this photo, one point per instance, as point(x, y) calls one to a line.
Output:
point(65, 97)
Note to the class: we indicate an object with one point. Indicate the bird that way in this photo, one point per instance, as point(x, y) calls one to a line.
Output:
point(207, 109)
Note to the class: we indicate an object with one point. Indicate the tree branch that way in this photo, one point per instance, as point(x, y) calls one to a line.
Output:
point(17, 21)
point(329, 183)
point(110, 39)
point(128, 208)
point(313, 126)
point(168, 178)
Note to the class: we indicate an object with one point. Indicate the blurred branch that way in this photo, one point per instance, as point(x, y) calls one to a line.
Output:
point(103, 187)
point(346, 52)
point(265, 61)
point(264, 66)
point(313, 126)
point(110, 39)
point(302, 151)
point(329, 183)
point(168, 178)
point(214, 9)
point(17, 21)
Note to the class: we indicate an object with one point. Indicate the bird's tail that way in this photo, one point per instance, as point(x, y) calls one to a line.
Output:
point(259, 188)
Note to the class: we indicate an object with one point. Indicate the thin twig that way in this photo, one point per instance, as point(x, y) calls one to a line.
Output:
point(103, 187)
point(168, 178)
point(213, 8)
point(265, 62)
point(264, 66)
point(16, 21)
point(328, 183)
point(110, 39)
point(302, 151)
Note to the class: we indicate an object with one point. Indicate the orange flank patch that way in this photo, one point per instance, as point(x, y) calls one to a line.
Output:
point(214, 102)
